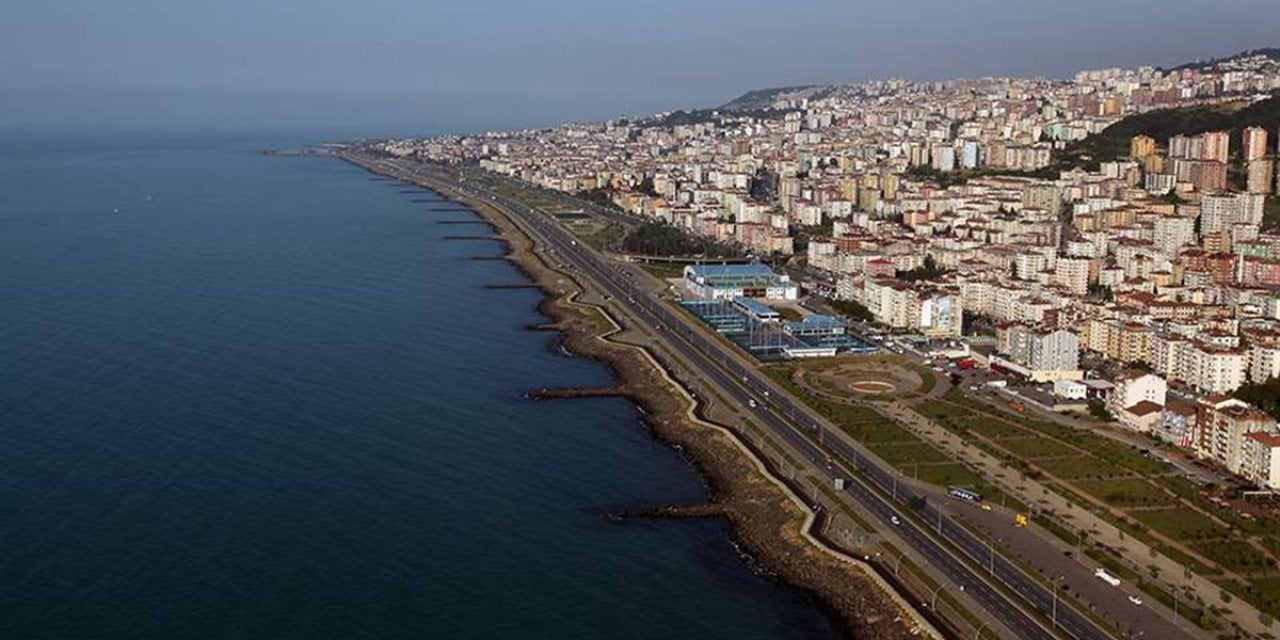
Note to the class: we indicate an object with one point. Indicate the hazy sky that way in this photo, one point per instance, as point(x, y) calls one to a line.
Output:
point(431, 65)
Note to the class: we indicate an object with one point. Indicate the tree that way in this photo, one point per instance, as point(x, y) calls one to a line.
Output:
point(599, 197)
point(764, 185)
point(646, 187)
point(661, 239)
point(1264, 395)
point(853, 309)
point(927, 271)
point(801, 237)
point(1271, 213)
point(1098, 409)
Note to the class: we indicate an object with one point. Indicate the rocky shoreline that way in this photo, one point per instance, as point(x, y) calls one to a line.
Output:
point(766, 520)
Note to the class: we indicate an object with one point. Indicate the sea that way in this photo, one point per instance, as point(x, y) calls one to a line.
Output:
point(265, 397)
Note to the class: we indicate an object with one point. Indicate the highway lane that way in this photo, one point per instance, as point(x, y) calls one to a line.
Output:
point(744, 384)
point(659, 314)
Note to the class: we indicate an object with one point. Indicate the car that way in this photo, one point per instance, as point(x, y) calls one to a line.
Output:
point(895, 520)
point(1135, 600)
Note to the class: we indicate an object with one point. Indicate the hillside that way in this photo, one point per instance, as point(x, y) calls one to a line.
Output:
point(1270, 52)
point(764, 98)
point(701, 116)
point(1113, 142)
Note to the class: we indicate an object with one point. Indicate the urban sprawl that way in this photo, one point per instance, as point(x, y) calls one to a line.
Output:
point(1144, 286)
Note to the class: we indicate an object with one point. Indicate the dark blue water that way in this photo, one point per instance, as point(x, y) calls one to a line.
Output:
point(244, 397)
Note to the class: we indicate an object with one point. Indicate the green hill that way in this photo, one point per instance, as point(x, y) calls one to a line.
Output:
point(1270, 52)
point(1113, 142)
point(764, 98)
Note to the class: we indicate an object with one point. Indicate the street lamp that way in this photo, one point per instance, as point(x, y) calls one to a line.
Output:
point(1054, 615)
point(991, 557)
point(933, 598)
point(978, 633)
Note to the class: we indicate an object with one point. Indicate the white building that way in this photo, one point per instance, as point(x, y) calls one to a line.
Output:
point(729, 281)
point(1046, 354)
point(1260, 459)
point(1264, 362)
point(1138, 400)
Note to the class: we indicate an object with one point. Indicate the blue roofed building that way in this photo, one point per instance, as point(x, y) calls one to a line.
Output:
point(759, 312)
point(816, 325)
point(729, 281)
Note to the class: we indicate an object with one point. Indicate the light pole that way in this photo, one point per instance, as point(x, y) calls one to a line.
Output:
point(933, 598)
point(1054, 615)
point(978, 633)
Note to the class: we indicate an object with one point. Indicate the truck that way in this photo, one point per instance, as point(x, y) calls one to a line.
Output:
point(1105, 576)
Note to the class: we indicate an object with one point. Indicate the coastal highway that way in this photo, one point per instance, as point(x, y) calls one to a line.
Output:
point(953, 551)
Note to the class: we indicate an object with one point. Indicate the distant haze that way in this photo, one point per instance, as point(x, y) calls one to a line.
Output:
point(383, 66)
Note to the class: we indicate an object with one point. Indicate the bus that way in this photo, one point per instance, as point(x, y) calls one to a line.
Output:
point(962, 493)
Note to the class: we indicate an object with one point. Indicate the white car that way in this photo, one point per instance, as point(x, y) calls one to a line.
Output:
point(895, 520)
point(1135, 600)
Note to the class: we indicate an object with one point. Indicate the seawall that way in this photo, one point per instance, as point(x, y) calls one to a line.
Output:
point(769, 519)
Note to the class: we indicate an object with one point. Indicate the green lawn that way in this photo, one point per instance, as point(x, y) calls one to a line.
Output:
point(927, 378)
point(1127, 492)
point(663, 269)
point(1234, 555)
point(958, 417)
point(948, 474)
point(1265, 592)
point(1081, 466)
point(1180, 524)
point(903, 455)
point(1034, 447)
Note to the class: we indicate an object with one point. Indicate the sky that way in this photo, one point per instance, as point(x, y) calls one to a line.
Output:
point(427, 66)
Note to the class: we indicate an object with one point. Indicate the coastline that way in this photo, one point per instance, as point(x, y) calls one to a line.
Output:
point(768, 520)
